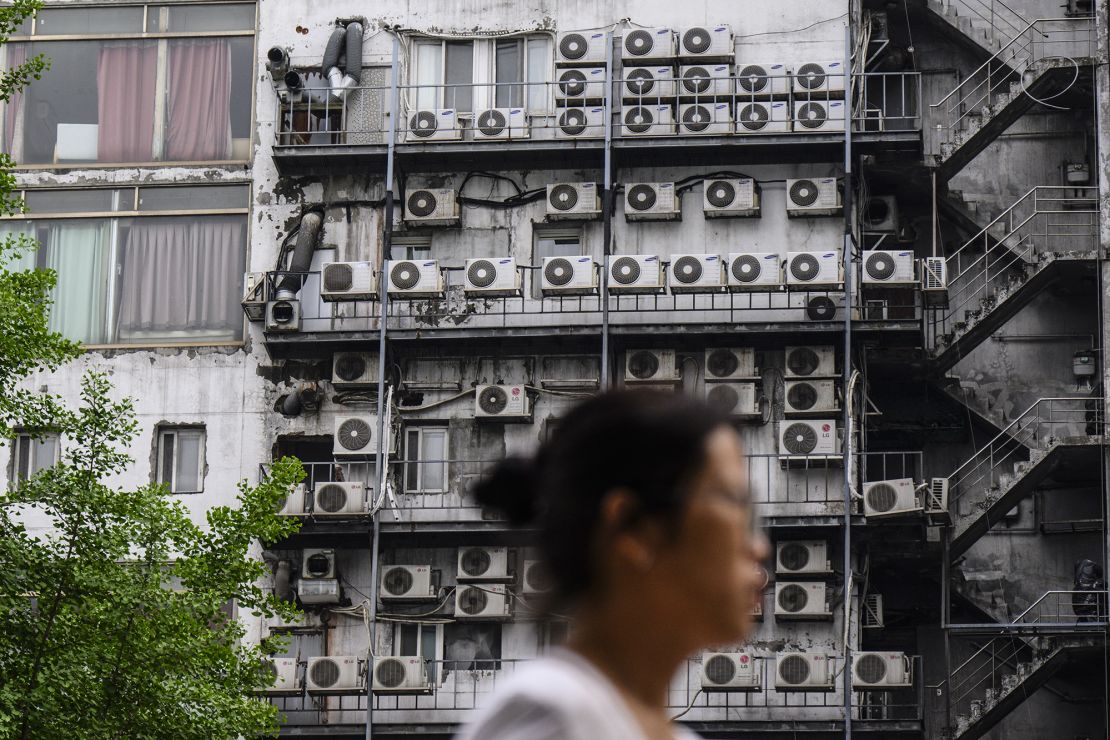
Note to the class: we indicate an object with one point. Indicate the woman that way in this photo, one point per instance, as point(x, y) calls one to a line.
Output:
point(646, 527)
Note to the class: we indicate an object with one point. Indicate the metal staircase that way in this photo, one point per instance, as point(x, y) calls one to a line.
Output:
point(983, 24)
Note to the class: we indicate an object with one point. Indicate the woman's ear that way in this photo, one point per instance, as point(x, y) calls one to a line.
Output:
point(634, 539)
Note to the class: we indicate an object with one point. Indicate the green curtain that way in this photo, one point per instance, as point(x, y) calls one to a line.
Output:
point(79, 252)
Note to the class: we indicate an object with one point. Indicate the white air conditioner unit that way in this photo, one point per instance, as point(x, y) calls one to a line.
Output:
point(730, 672)
point(482, 601)
point(730, 363)
point(355, 436)
point(354, 370)
point(733, 399)
point(432, 207)
point(802, 557)
point(872, 617)
point(580, 85)
point(889, 498)
point(810, 362)
point(403, 674)
point(433, 125)
point(576, 275)
point(878, 671)
point(535, 578)
point(407, 583)
point(813, 197)
point(573, 200)
point(483, 564)
point(337, 499)
point(706, 42)
point(318, 562)
point(812, 269)
point(697, 273)
point(811, 397)
point(334, 674)
point(804, 672)
point(888, 266)
point(651, 201)
point(294, 503)
point(286, 681)
point(818, 77)
point(635, 273)
point(347, 281)
point(415, 279)
point(283, 316)
point(755, 271)
point(501, 124)
point(801, 600)
point(705, 81)
point(880, 215)
point(647, 120)
point(763, 117)
point(647, 84)
point(934, 281)
point(705, 119)
point(501, 402)
point(936, 500)
point(650, 366)
point(580, 123)
point(808, 439)
point(724, 198)
point(642, 44)
point(494, 276)
point(759, 81)
point(580, 47)
point(814, 116)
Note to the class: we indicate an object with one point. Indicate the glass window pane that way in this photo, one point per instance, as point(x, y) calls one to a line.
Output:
point(46, 450)
point(19, 249)
point(23, 456)
point(539, 72)
point(57, 119)
point(189, 198)
point(190, 445)
point(509, 68)
point(433, 453)
point(459, 71)
point(407, 639)
point(165, 471)
point(201, 18)
point(73, 21)
point(429, 71)
point(428, 651)
point(412, 455)
point(81, 254)
point(97, 200)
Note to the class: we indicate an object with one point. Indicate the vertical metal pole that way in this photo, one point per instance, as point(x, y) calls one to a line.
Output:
point(849, 306)
point(945, 620)
point(607, 206)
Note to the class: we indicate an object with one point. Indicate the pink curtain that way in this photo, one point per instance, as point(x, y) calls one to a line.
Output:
point(198, 123)
point(13, 109)
point(125, 82)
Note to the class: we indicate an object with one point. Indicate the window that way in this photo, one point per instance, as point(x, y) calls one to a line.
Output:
point(411, 247)
point(473, 646)
point(426, 460)
point(121, 94)
point(525, 60)
point(32, 453)
point(181, 459)
point(425, 640)
point(552, 243)
point(447, 73)
point(441, 65)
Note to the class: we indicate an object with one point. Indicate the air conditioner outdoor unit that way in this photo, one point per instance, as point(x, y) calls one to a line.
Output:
point(573, 200)
point(355, 435)
point(810, 362)
point(283, 316)
point(705, 81)
point(575, 275)
point(878, 671)
point(580, 123)
point(730, 363)
point(818, 77)
point(647, 84)
point(801, 600)
point(936, 501)
point(405, 674)
point(763, 117)
point(347, 281)
point(642, 44)
point(407, 583)
point(286, 681)
point(650, 366)
point(733, 399)
point(811, 397)
point(818, 115)
point(647, 120)
point(354, 370)
point(804, 672)
point(501, 402)
point(808, 438)
point(337, 499)
point(755, 271)
point(482, 601)
point(697, 273)
point(802, 557)
point(334, 674)
point(432, 207)
point(872, 617)
point(730, 672)
point(294, 503)
point(888, 267)
point(813, 197)
point(812, 269)
point(501, 124)
point(495, 276)
point(635, 273)
point(651, 201)
point(580, 47)
point(415, 279)
point(725, 198)
point(483, 564)
point(705, 119)
point(580, 85)
point(880, 215)
point(318, 562)
point(535, 579)
point(934, 281)
point(434, 125)
point(889, 498)
point(706, 42)
point(759, 81)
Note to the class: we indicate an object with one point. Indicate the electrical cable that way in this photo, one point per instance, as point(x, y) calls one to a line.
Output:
point(794, 30)
point(688, 706)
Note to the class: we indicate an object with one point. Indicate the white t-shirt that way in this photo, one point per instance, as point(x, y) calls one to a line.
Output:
point(558, 697)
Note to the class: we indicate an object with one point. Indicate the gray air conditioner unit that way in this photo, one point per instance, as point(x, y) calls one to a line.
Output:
point(815, 116)
point(573, 201)
point(704, 81)
point(811, 396)
point(802, 557)
point(818, 77)
point(805, 270)
point(731, 363)
point(733, 399)
point(355, 435)
point(813, 197)
point(810, 362)
point(730, 672)
point(934, 281)
point(347, 281)
point(801, 600)
point(706, 42)
point(804, 672)
point(339, 499)
point(407, 583)
point(354, 370)
point(652, 201)
point(890, 498)
point(647, 120)
point(724, 198)
point(650, 366)
point(482, 602)
point(432, 207)
point(759, 81)
point(755, 271)
point(881, 671)
point(808, 439)
point(414, 279)
point(579, 86)
point(763, 117)
point(401, 675)
point(888, 267)
point(880, 215)
point(580, 123)
point(497, 276)
point(501, 124)
point(635, 273)
point(705, 119)
point(536, 578)
point(574, 275)
point(294, 504)
point(580, 47)
point(643, 44)
point(335, 674)
point(483, 564)
point(648, 84)
point(936, 501)
point(286, 682)
point(697, 273)
point(433, 125)
point(283, 316)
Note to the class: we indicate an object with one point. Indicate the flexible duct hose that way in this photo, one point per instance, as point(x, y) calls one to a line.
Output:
point(301, 260)
point(283, 579)
point(342, 62)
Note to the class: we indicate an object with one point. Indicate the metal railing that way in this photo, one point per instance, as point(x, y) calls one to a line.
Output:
point(1000, 19)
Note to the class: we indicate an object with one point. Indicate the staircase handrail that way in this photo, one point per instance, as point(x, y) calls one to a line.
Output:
point(994, 17)
point(1020, 619)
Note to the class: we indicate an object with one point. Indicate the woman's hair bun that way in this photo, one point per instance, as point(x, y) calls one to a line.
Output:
point(511, 488)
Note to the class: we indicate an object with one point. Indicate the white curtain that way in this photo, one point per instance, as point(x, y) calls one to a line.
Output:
point(79, 253)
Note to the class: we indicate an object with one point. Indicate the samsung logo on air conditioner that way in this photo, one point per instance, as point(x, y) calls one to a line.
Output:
point(829, 254)
point(652, 258)
point(721, 106)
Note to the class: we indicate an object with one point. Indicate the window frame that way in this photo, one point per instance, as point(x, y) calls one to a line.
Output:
point(23, 438)
point(554, 234)
point(435, 670)
point(409, 243)
point(165, 430)
point(418, 463)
